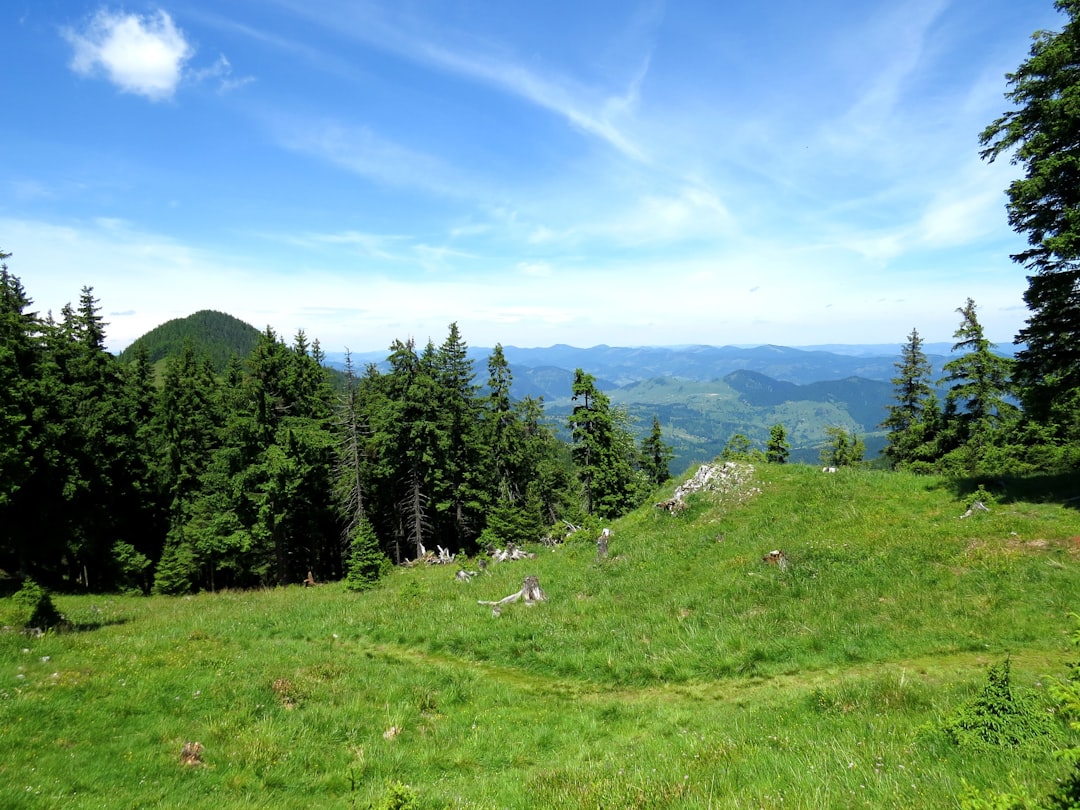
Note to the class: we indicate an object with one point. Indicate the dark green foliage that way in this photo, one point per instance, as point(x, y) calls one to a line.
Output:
point(738, 448)
point(843, 449)
point(979, 385)
point(778, 449)
point(35, 607)
point(909, 421)
point(656, 455)
point(603, 452)
point(133, 568)
point(177, 570)
point(1042, 134)
point(366, 563)
point(1001, 715)
point(214, 335)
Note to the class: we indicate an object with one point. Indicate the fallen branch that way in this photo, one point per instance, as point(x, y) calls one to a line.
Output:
point(978, 506)
point(530, 592)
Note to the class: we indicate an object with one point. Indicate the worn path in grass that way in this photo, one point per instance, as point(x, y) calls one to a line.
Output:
point(928, 669)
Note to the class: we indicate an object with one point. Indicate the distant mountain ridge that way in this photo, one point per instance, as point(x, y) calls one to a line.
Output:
point(535, 369)
point(702, 394)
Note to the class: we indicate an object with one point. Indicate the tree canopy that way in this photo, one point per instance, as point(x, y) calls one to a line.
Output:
point(1042, 134)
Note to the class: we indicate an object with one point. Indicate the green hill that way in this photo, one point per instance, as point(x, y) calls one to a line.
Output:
point(213, 334)
point(680, 671)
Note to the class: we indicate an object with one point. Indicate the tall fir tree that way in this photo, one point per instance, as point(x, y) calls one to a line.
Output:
point(603, 451)
point(906, 417)
point(979, 382)
point(1042, 134)
point(656, 455)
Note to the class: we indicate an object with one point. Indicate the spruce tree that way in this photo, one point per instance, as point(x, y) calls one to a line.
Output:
point(778, 448)
point(656, 455)
point(1042, 134)
point(913, 391)
point(979, 384)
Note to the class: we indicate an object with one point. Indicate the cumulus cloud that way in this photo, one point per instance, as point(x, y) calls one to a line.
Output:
point(144, 55)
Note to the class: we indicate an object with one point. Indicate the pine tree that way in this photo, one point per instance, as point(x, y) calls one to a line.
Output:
point(778, 449)
point(842, 448)
point(366, 561)
point(913, 391)
point(1042, 134)
point(20, 371)
point(656, 455)
point(460, 492)
point(980, 384)
point(603, 451)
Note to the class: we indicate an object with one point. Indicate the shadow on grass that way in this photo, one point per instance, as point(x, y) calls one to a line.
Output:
point(1060, 488)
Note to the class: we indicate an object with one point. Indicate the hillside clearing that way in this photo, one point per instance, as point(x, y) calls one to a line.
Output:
point(679, 672)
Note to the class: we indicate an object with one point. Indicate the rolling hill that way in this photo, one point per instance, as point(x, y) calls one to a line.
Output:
point(680, 671)
point(213, 334)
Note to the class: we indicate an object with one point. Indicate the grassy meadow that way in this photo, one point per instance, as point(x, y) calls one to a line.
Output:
point(680, 672)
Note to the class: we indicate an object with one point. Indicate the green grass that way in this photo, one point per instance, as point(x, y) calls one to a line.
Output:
point(680, 672)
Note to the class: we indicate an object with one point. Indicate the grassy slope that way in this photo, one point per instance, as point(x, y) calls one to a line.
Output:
point(681, 672)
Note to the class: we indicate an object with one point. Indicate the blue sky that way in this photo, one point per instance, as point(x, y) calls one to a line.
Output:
point(629, 173)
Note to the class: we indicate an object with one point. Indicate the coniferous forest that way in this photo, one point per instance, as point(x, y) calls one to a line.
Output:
point(260, 470)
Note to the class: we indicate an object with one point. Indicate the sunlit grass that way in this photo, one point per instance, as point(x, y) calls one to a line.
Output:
point(679, 672)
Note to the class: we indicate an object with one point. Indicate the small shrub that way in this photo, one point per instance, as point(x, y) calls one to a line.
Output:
point(400, 796)
point(974, 799)
point(1000, 716)
point(35, 608)
point(132, 568)
point(177, 569)
point(367, 563)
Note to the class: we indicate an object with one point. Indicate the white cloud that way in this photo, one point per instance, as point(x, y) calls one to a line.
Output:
point(596, 111)
point(364, 152)
point(144, 55)
point(222, 71)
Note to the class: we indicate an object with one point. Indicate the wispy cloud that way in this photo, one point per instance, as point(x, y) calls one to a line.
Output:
point(594, 110)
point(221, 72)
point(144, 55)
point(362, 151)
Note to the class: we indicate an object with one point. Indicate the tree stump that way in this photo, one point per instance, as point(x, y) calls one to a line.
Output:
point(602, 544)
point(531, 590)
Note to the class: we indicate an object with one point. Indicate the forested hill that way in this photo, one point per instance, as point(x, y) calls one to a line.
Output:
point(213, 334)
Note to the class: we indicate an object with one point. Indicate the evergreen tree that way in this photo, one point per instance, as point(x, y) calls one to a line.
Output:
point(913, 392)
point(738, 448)
point(980, 383)
point(459, 488)
point(1042, 133)
point(190, 428)
point(843, 448)
point(778, 449)
point(603, 451)
point(656, 455)
point(20, 439)
point(366, 561)
point(502, 430)
point(353, 432)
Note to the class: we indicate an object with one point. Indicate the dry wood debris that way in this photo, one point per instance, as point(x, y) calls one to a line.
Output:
point(530, 593)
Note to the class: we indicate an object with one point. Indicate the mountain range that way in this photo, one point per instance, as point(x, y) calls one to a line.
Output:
point(702, 395)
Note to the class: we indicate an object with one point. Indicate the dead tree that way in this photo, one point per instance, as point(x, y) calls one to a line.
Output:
point(601, 544)
point(530, 593)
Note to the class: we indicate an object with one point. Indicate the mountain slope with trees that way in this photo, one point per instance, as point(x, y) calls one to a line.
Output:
point(214, 335)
